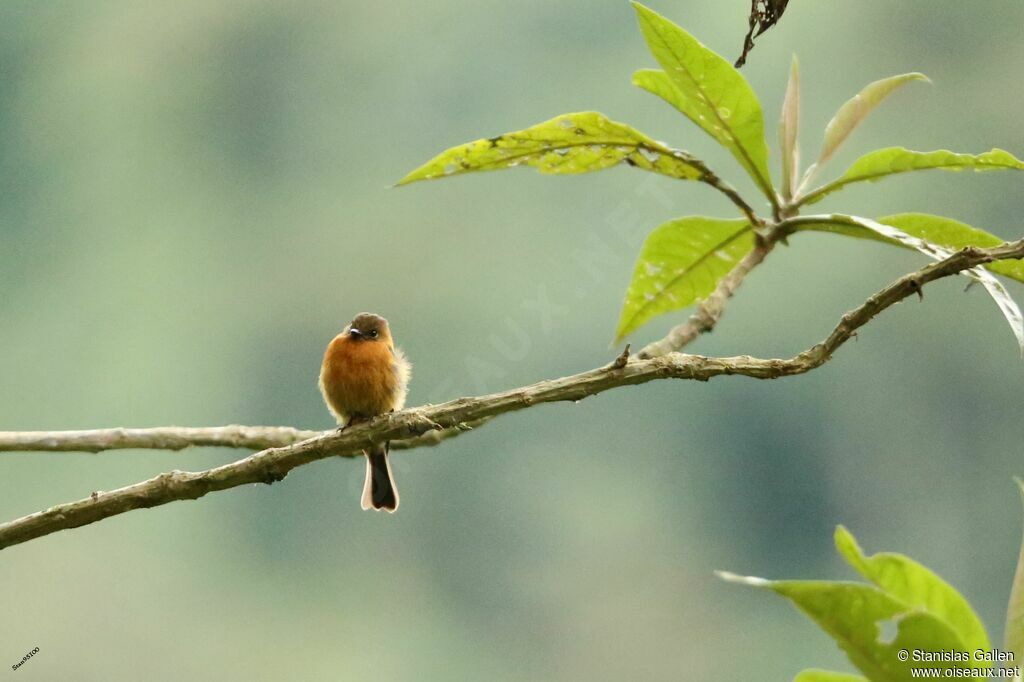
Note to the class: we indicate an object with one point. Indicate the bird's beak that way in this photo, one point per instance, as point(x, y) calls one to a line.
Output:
point(355, 332)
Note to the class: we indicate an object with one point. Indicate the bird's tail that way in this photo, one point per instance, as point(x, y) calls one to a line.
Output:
point(379, 491)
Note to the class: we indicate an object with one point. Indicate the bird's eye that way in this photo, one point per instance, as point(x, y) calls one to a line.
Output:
point(373, 333)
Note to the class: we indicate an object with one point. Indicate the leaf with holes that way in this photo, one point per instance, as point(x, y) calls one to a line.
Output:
point(708, 90)
point(927, 615)
point(680, 264)
point(882, 163)
point(567, 144)
point(915, 586)
point(854, 615)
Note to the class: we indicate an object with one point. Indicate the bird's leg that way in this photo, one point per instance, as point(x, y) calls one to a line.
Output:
point(352, 421)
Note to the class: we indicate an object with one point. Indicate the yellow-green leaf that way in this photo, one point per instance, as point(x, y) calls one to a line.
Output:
point(893, 160)
point(855, 110)
point(945, 232)
point(708, 90)
point(571, 143)
point(680, 264)
point(1007, 306)
point(916, 586)
point(853, 613)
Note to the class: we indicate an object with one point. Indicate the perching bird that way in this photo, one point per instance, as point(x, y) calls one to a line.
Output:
point(364, 375)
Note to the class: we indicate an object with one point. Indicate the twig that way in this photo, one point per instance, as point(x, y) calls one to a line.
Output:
point(710, 178)
point(273, 464)
point(731, 193)
point(160, 438)
point(181, 437)
point(710, 310)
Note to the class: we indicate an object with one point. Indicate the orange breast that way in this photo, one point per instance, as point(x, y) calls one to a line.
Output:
point(358, 378)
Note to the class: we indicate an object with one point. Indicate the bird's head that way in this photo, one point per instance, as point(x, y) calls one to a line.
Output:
point(368, 327)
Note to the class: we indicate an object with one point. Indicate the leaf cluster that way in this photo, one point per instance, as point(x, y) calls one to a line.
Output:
point(684, 259)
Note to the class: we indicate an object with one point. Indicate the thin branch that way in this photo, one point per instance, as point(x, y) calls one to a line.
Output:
point(731, 194)
point(181, 437)
point(159, 438)
point(273, 464)
point(710, 178)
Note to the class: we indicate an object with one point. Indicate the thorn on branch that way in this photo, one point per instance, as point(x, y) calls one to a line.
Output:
point(975, 253)
point(915, 286)
point(272, 476)
point(621, 361)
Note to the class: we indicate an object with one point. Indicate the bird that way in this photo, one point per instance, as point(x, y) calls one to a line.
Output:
point(364, 375)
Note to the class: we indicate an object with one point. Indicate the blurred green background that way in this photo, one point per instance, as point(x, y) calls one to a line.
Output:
point(195, 196)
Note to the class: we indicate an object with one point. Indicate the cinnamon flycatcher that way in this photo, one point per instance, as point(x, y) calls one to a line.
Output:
point(364, 375)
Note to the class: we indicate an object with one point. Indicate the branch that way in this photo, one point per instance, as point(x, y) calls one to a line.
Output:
point(181, 437)
point(708, 177)
point(273, 464)
point(160, 438)
point(729, 191)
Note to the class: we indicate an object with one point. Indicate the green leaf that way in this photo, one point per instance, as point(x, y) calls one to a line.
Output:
point(915, 586)
point(789, 125)
point(680, 263)
point(945, 232)
point(954, 235)
point(815, 675)
point(1015, 610)
point(851, 614)
point(882, 163)
point(855, 110)
point(1007, 306)
point(571, 143)
point(708, 90)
